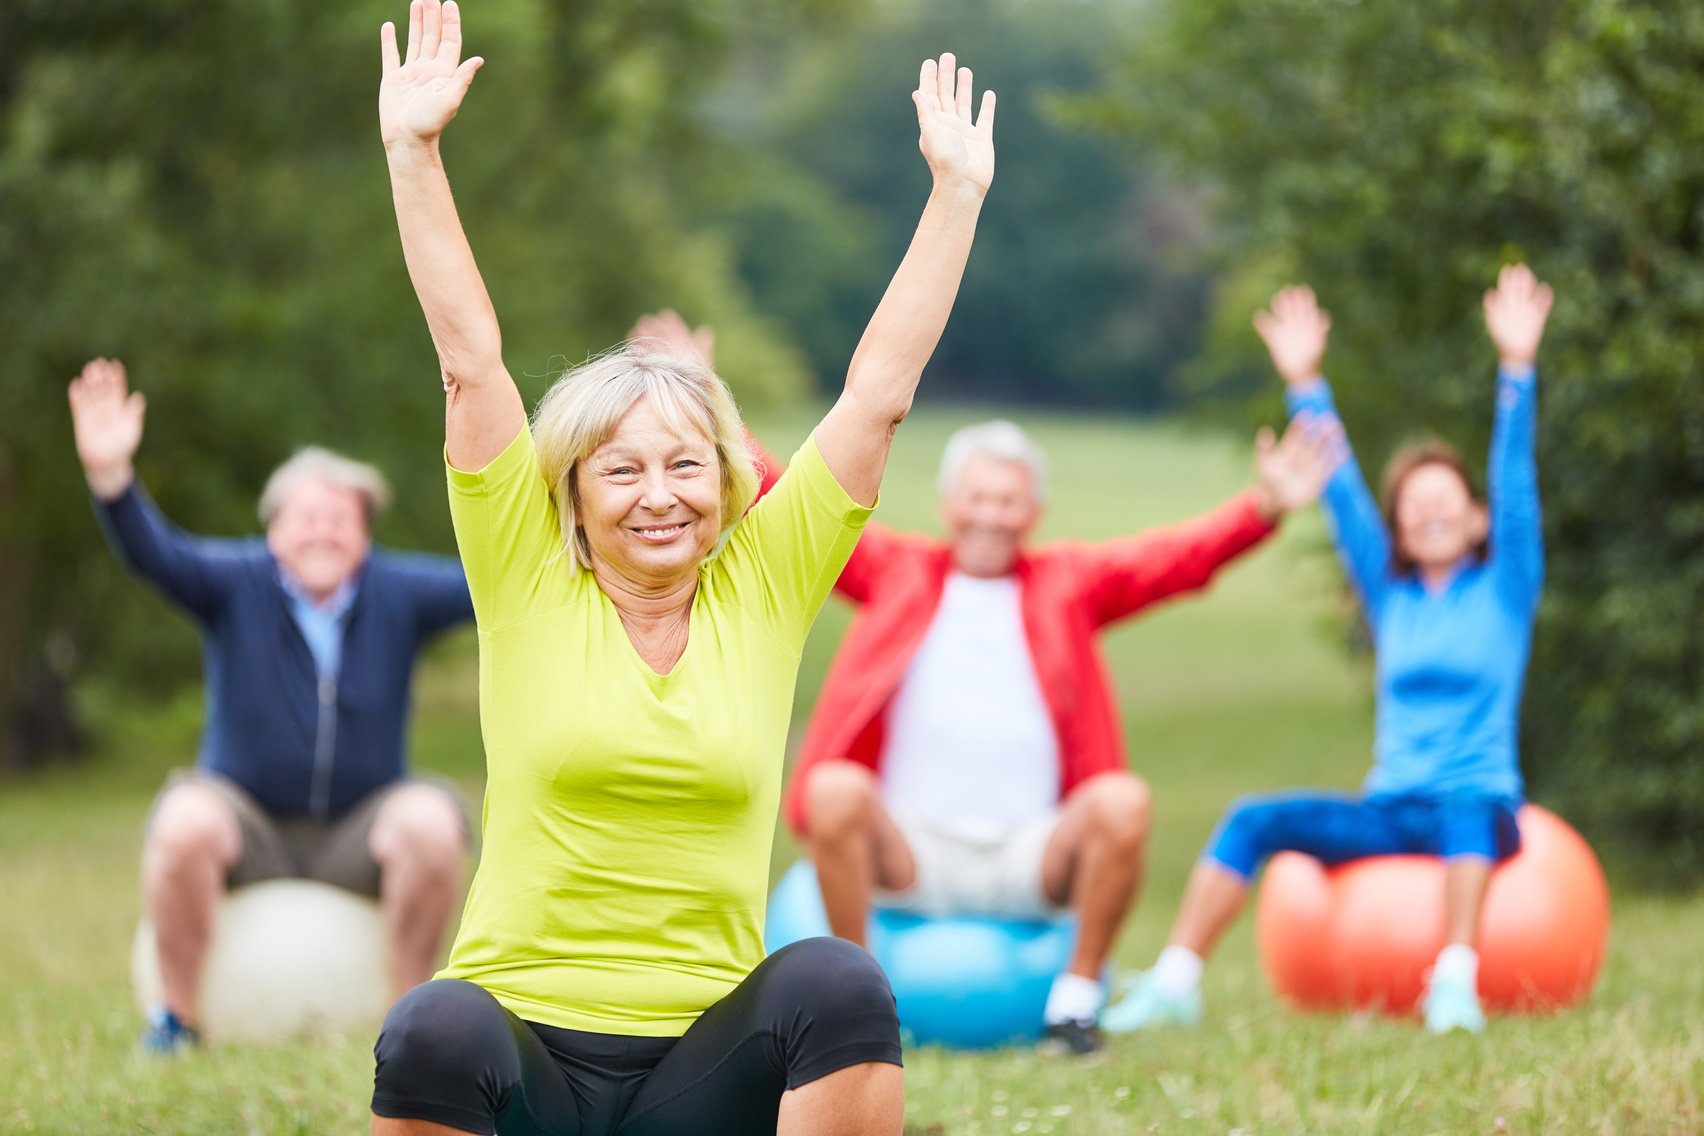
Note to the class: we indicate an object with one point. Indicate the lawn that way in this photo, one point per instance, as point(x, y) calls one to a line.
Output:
point(1252, 687)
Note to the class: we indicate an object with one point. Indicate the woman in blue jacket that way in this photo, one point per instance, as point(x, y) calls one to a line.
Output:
point(1449, 583)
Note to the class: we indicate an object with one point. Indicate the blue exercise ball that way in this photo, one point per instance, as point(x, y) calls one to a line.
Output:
point(968, 982)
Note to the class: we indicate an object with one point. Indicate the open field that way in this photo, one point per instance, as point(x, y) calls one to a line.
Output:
point(1249, 689)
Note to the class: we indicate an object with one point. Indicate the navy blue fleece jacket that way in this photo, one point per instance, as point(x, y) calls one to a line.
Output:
point(298, 744)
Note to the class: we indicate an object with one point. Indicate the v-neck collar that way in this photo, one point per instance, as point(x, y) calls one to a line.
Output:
point(652, 675)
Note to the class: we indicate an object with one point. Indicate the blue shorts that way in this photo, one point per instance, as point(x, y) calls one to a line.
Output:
point(1336, 828)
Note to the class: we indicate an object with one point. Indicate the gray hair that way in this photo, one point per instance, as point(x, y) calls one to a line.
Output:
point(1001, 440)
point(313, 463)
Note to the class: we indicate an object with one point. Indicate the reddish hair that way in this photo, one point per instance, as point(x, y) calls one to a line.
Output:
point(1403, 463)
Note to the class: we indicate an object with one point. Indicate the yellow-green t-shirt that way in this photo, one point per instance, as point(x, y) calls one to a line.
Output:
point(629, 815)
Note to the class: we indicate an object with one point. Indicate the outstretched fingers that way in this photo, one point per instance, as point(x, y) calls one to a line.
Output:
point(108, 375)
point(1518, 289)
point(1298, 307)
point(415, 19)
point(1265, 441)
point(925, 93)
point(432, 28)
point(389, 60)
point(1516, 280)
point(1295, 303)
point(1544, 297)
point(465, 74)
point(1305, 457)
point(944, 86)
point(945, 74)
point(102, 381)
point(450, 37)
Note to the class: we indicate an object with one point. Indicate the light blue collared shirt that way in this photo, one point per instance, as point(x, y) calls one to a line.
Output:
point(321, 624)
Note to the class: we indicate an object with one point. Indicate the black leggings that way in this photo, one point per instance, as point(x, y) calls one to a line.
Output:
point(449, 1053)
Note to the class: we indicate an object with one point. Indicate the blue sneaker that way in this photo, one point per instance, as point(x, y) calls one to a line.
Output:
point(1145, 1006)
point(166, 1034)
point(1453, 1006)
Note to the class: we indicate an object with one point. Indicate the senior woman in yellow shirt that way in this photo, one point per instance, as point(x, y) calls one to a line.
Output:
point(639, 640)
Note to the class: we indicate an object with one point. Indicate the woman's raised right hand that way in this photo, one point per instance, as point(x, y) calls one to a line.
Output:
point(423, 88)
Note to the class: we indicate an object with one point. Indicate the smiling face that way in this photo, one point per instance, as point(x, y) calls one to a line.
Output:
point(650, 500)
point(319, 535)
point(1436, 518)
point(989, 513)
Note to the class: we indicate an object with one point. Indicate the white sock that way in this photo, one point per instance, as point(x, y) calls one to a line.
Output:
point(1073, 999)
point(1457, 965)
point(1177, 972)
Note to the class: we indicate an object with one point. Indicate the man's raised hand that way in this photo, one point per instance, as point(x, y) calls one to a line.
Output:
point(1293, 470)
point(423, 87)
point(106, 419)
point(667, 332)
point(958, 149)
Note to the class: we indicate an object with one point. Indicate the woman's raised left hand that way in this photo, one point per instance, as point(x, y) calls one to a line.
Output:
point(958, 150)
point(422, 87)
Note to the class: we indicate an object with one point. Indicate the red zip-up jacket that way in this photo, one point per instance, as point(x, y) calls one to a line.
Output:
point(1070, 591)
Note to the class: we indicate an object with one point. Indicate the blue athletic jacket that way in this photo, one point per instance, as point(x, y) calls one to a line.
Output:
point(1451, 665)
point(297, 744)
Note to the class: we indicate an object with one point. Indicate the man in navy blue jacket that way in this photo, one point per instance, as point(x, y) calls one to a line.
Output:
point(309, 640)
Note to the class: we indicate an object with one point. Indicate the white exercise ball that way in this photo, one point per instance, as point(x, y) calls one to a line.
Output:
point(289, 958)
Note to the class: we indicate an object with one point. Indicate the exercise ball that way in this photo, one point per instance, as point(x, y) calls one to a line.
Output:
point(1362, 935)
point(288, 958)
point(968, 982)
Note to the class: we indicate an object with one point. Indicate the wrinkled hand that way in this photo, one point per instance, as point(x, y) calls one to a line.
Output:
point(667, 332)
point(1515, 314)
point(957, 149)
point(1293, 471)
point(421, 91)
point(107, 422)
point(1295, 331)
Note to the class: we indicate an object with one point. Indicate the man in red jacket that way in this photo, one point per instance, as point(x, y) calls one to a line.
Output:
point(964, 755)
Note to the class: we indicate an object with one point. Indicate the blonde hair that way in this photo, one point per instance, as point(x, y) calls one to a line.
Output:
point(580, 412)
point(312, 463)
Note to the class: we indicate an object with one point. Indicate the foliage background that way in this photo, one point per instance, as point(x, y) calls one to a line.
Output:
point(199, 190)
point(1394, 155)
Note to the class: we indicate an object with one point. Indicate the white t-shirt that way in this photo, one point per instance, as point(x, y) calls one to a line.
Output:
point(970, 747)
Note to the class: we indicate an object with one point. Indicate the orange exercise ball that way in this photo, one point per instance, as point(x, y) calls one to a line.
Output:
point(1361, 936)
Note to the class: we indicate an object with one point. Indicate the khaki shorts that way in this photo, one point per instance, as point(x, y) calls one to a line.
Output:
point(962, 875)
point(331, 851)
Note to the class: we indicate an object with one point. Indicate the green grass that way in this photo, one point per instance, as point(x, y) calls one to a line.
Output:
point(1246, 689)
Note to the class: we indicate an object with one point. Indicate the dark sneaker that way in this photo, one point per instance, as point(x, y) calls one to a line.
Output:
point(166, 1034)
point(1074, 1038)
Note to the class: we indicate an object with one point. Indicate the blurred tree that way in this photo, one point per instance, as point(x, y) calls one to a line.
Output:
point(1393, 156)
point(199, 189)
point(1073, 295)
